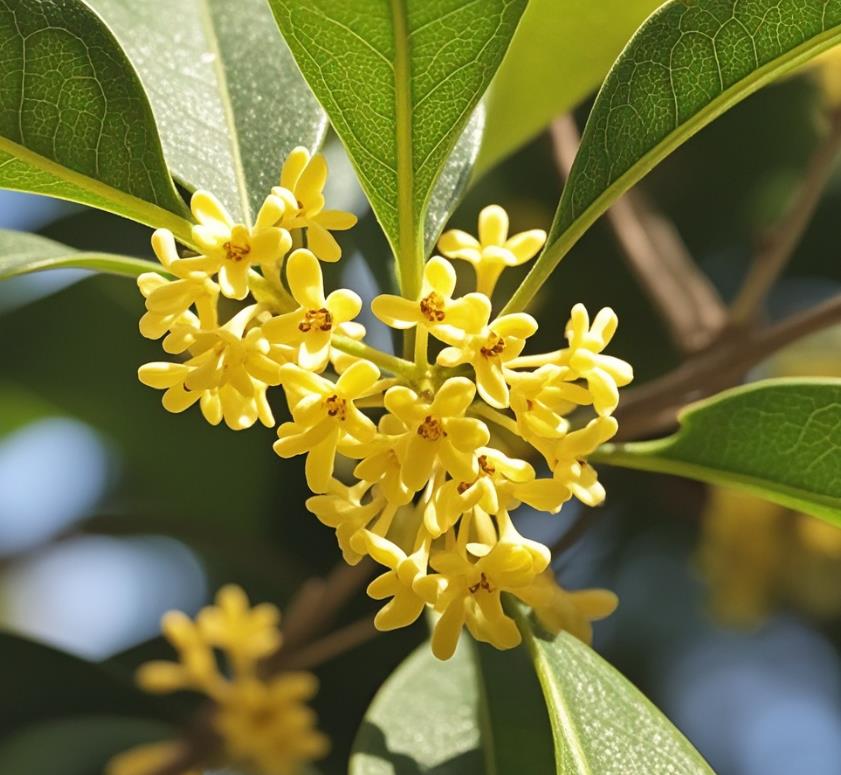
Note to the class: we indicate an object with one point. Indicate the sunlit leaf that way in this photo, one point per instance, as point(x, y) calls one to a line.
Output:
point(229, 99)
point(690, 62)
point(21, 253)
point(601, 722)
point(399, 82)
point(74, 119)
point(560, 53)
point(778, 439)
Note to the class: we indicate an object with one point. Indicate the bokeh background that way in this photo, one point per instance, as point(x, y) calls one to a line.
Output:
point(113, 511)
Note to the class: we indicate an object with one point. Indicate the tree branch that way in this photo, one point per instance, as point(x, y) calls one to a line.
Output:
point(652, 408)
point(780, 244)
point(685, 298)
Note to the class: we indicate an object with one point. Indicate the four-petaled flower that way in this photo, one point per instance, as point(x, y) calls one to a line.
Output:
point(494, 250)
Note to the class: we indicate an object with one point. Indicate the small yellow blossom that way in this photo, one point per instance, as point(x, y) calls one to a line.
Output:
point(264, 724)
point(437, 432)
point(494, 250)
point(229, 372)
point(487, 351)
point(167, 301)
point(568, 459)
point(435, 306)
point(311, 326)
point(231, 249)
point(324, 417)
point(151, 757)
point(301, 188)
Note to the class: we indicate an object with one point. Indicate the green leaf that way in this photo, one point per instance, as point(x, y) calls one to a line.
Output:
point(21, 253)
point(601, 722)
point(399, 81)
point(512, 712)
point(423, 720)
point(82, 745)
point(560, 53)
point(46, 683)
point(229, 99)
point(689, 63)
point(778, 439)
point(74, 119)
point(454, 178)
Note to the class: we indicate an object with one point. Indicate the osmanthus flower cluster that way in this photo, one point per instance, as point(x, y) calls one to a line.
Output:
point(430, 440)
point(263, 723)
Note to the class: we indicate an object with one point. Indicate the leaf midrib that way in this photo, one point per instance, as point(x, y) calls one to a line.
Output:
point(141, 210)
point(559, 714)
point(406, 231)
point(569, 236)
point(227, 108)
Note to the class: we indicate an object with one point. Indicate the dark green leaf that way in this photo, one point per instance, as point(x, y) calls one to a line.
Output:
point(74, 119)
point(560, 53)
point(75, 746)
point(46, 684)
point(689, 63)
point(399, 82)
point(21, 252)
point(601, 722)
point(229, 99)
point(512, 712)
point(778, 439)
point(423, 720)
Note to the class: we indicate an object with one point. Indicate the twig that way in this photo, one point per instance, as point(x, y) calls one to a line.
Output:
point(683, 295)
point(332, 645)
point(653, 407)
point(780, 245)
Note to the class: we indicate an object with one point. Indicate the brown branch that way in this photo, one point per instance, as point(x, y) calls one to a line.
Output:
point(652, 408)
point(780, 244)
point(683, 295)
point(331, 646)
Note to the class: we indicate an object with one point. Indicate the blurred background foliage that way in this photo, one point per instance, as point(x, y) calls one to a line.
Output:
point(113, 511)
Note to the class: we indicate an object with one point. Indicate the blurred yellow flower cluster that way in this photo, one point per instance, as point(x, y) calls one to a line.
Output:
point(434, 485)
point(263, 723)
point(758, 557)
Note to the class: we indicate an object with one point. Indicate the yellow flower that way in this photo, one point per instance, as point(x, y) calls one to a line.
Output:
point(264, 724)
point(312, 325)
point(540, 400)
point(558, 609)
point(405, 605)
point(144, 759)
point(568, 459)
point(604, 373)
point(302, 182)
point(467, 592)
point(247, 634)
point(231, 249)
point(494, 250)
point(380, 463)
point(348, 510)
point(324, 417)
point(487, 351)
point(267, 724)
point(435, 305)
point(167, 301)
point(437, 432)
point(229, 372)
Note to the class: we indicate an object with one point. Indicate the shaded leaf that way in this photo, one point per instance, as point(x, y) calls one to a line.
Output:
point(602, 723)
point(560, 53)
point(229, 99)
point(690, 62)
point(74, 119)
point(21, 253)
point(82, 745)
point(399, 82)
point(46, 684)
point(778, 439)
